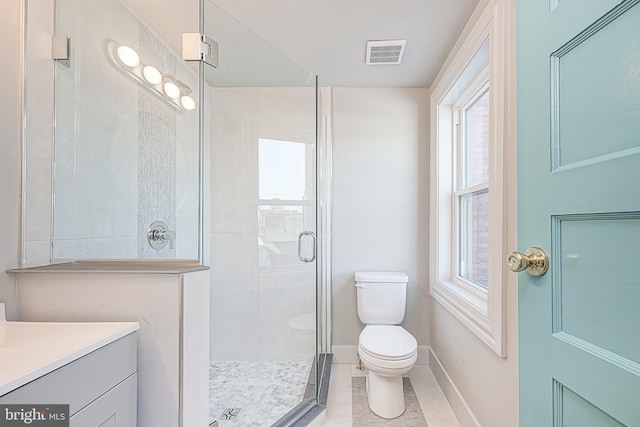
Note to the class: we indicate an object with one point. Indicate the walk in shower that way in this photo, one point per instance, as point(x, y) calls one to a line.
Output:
point(263, 145)
point(222, 161)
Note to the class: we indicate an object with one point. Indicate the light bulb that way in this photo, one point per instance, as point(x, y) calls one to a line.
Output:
point(128, 56)
point(188, 103)
point(171, 89)
point(152, 75)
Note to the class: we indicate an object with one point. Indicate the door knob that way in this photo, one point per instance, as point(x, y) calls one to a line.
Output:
point(534, 260)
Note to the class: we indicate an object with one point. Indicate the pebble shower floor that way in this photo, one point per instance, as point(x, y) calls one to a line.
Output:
point(255, 394)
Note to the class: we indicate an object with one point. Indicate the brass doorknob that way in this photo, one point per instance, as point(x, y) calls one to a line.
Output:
point(534, 260)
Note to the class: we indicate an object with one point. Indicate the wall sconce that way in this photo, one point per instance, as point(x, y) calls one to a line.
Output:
point(169, 88)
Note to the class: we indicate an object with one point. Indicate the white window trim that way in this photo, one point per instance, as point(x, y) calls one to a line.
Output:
point(482, 313)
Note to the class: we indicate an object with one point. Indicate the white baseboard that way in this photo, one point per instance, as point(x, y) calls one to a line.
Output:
point(349, 354)
point(453, 395)
point(423, 355)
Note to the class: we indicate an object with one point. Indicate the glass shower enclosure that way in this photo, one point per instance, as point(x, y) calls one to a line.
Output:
point(262, 145)
point(160, 159)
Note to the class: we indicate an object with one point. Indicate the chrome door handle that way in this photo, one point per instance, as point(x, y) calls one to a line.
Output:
point(300, 237)
point(534, 260)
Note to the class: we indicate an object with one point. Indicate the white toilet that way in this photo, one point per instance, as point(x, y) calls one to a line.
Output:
point(385, 348)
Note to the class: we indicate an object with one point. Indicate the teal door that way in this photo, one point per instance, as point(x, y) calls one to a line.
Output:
point(579, 200)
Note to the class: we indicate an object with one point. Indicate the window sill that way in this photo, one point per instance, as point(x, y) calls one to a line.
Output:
point(470, 310)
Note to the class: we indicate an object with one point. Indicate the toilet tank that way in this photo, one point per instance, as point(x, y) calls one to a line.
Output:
point(381, 297)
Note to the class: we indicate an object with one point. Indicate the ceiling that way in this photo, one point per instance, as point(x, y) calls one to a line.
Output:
point(328, 37)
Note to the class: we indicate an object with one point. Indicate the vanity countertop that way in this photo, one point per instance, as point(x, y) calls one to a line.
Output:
point(29, 350)
point(167, 266)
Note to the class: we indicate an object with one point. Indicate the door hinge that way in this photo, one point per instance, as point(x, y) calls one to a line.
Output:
point(60, 44)
point(198, 47)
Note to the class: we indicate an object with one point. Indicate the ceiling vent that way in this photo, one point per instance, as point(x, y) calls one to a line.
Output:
point(385, 51)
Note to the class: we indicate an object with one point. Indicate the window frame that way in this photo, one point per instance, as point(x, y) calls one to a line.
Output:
point(481, 53)
point(475, 91)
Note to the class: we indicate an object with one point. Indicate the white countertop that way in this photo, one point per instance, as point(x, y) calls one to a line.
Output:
point(29, 350)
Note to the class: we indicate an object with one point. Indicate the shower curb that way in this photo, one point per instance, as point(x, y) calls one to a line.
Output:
point(324, 366)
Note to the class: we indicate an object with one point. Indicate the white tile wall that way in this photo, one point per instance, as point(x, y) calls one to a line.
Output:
point(251, 303)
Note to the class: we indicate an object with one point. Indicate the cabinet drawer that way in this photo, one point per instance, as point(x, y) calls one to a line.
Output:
point(83, 380)
point(115, 408)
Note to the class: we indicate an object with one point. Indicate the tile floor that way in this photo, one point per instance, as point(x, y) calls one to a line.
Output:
point(255, 393)
point(435, 406)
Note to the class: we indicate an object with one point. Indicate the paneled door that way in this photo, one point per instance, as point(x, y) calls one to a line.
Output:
point(579, 200)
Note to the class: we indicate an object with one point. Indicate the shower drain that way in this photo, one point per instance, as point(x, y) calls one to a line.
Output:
point(230, 413)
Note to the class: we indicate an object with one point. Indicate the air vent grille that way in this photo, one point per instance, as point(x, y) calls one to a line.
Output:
point(385, 51)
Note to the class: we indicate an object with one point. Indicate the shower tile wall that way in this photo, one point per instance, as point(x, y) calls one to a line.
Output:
point(252, 304)
point(99, 129)
point(83, 139)
point(234, 252)
point(157, 138)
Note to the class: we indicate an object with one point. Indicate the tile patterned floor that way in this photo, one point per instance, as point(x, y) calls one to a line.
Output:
point(255, 394)
point(364, 417)
point(435, 406)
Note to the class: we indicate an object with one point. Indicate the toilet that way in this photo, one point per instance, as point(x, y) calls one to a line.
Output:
point(384, 347)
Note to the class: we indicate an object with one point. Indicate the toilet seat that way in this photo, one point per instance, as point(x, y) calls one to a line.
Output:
point(390, 343)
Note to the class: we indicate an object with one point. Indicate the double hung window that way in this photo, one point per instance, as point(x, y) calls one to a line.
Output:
point(471, 204)
point(472, 190)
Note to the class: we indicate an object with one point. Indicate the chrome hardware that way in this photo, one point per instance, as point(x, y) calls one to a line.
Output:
point(359, 366)
point(159, 235)
point(198, 47)
point(60, 48)
point(534, 260)
point(300, 237)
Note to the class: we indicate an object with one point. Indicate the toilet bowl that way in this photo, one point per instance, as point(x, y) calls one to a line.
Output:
point(384, 347)
point(302, 338)
point(388, 352)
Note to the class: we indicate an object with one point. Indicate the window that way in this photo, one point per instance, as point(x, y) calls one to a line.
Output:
point(285, 200)
point(472, 190)
point(470, 101)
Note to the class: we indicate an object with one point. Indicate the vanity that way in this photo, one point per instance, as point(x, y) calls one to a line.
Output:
point(170, 301)
point(91, 366)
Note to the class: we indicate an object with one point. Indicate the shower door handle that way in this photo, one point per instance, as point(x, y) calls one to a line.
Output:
point(300, 238)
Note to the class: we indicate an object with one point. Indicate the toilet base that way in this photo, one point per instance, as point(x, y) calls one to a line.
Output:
point(385, 395)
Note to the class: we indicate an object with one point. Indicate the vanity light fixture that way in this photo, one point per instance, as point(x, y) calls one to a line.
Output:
point(152, 75)
point(172, 90)
point(188, 103)
point(128, 56)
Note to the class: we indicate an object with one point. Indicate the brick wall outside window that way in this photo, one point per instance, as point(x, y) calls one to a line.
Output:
point(477, 169)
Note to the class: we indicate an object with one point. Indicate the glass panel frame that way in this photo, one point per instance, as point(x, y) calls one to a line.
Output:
point(124, 149)
point(270, 296)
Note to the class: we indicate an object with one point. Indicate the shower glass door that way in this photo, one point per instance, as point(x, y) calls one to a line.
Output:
point(261, 132)
point(127, 131)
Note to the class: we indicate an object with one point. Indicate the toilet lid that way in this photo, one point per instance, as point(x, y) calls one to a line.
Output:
point(388, 341)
